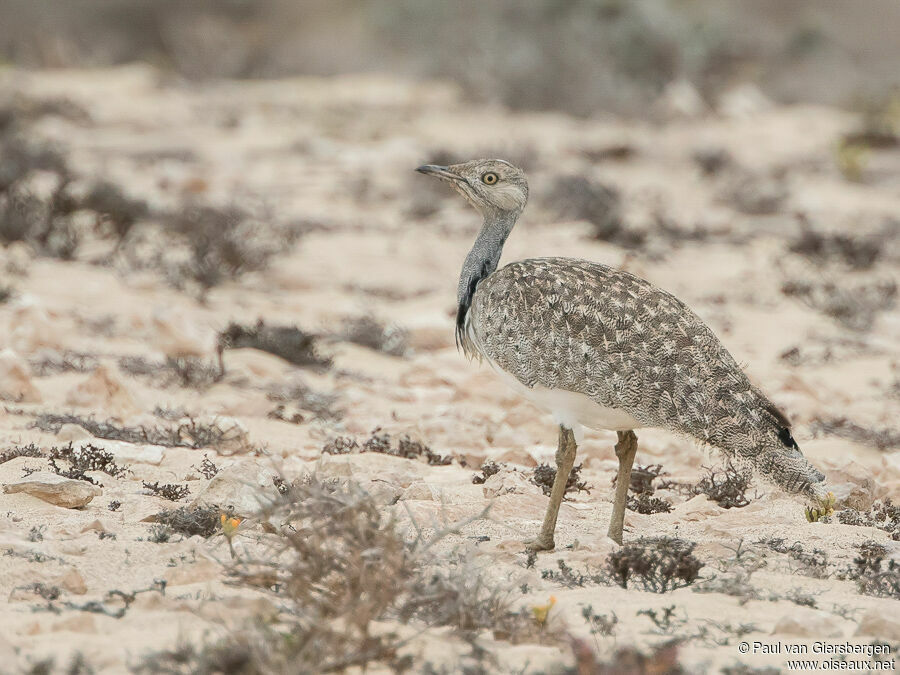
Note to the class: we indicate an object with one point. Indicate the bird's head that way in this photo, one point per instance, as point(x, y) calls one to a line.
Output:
point(491, 185)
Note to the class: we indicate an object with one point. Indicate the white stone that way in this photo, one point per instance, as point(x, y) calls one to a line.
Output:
point(880, 624)
point(808, 622)
point(509, 482)
point(65, 492)
point(15, 379)
point(245, 487)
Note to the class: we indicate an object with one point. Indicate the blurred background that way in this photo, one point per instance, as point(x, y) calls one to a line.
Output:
point(582, 57)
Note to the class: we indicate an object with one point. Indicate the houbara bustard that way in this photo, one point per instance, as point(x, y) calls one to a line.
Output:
point(599, 347)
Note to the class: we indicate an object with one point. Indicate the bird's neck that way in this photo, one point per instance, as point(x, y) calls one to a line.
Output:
point(483, 258)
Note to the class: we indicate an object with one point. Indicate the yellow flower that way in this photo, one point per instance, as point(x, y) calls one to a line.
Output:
point(542, 612)
point(230, 525)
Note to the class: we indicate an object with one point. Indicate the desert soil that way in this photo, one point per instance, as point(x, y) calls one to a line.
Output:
point(336, 157)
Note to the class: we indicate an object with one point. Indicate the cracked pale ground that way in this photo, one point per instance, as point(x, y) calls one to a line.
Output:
point(341, 154)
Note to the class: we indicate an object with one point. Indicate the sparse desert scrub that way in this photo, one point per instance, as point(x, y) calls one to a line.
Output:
point(339, 569)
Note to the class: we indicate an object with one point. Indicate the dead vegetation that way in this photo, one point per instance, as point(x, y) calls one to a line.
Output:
point(87, 457)
point(288, 342)
point(882, 439)
point(642, 499)
point(170, 491)
point(51, 363)
point(336, 568)
point(200, 521)
point(381, 442)
point(184, 371)
point(727, 486)
point(858, 252)
point(544, 475)
point(30, 450)
point(223, 244)
point(579, 198)
point(883, 515)
point(875, 573)
point(374, 334)
point(853, 305)
point(657, 564)
point(661, 659)
point(488, 469)
point(320, 405)
point(812, 563)
point(192, 433)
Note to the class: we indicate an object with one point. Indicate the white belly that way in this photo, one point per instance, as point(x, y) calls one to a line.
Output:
point(571, 409)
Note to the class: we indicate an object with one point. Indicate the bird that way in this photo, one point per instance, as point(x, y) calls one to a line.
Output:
point(599, 347)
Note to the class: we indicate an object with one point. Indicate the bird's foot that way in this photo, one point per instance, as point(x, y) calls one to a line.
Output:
point(540, 543)
point(824, 507)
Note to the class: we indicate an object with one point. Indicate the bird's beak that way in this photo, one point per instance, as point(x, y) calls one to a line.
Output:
point(442, 172)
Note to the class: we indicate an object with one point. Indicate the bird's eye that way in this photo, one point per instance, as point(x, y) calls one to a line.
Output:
point(490, 178)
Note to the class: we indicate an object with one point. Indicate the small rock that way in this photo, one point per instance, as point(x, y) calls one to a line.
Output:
point(680, 98)
point(853, 485)
point(422, 491)
point(80, 623)
point(179, 336)
point(15, 380)
point(103, 390)
point(509, 482)
point(696, 508)
point(72, 432)
point(73, 582)
point(808, 622)
point(742, 101)
point(130, 453)
point(880, 624)
point(65, 492)
point(244, 486)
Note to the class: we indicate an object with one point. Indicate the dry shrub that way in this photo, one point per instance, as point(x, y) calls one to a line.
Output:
point(580, 198)
point(190, 434)
point(641, 483)
point(223, 243)
point(882, 514)
point(190, 521)
point(568, 577)
point(458, 593)
point(646, 504)
point(727, 486)
point(30, 450)
point(289, 342)
point(488, 469)
point(873, 573)
point(657, 564)
point(406, 448)
point(321, 405)
point(335, 567)
point(854, 306)
point(170, 491)
point(883, 438)
point(52, 363)
point(857, 251)
point(545, 475)
point(374, 334)
point(88, 457)
point(184, 371)
point(812, 563)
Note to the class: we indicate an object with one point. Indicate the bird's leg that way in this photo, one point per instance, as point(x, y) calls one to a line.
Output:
point(565, 460)
point(626, 449)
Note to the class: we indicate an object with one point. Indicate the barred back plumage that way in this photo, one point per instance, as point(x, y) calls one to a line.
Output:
point(581, 326)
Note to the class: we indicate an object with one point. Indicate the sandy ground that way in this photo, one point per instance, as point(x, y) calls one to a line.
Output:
point(338, 154)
